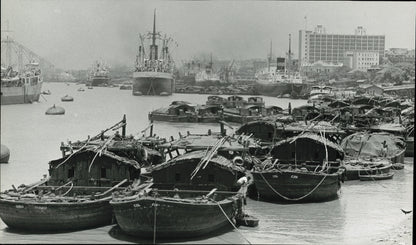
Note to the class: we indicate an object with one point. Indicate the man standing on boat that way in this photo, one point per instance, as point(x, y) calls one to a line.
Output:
point(244, 182)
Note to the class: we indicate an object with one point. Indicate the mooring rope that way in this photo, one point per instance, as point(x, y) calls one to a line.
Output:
point(222, 210)
point(298, 198)
point(154, 222)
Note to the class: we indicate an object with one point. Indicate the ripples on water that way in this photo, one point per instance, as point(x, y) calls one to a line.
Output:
point(364, 210)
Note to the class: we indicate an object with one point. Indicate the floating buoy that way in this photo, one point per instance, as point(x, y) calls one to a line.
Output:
point(67, 98)
point(4, 154)
point(55, 110)
point(137, 93)
point(164, 94)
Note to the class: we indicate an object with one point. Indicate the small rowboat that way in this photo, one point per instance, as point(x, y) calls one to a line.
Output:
point(247, 220)
point(397, 166)
point(382, 176)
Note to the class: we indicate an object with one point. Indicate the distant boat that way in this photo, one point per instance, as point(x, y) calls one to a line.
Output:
point(100, 75)
point(46, 92)
point(374, 177)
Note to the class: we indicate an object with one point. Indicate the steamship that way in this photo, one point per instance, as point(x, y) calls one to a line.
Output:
point(153, 73)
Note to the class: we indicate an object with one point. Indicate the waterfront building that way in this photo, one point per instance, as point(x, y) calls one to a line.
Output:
point(361, 60)
point(317, 45)
point(400, 55)
point(319, 67)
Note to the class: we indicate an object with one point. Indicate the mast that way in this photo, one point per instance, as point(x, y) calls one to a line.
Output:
point(289, 58)
point(153, 47)
point(269, 60)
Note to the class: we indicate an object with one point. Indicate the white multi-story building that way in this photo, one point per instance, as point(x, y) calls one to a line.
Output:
point(361, 60)
point(317, 45)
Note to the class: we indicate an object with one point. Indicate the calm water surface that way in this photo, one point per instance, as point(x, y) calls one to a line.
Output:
point(363, 212)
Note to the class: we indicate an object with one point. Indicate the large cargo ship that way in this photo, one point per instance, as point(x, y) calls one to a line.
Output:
point(99, 75)
point(153, 73)
point(280, 80)
point(208, 75)
point(20, 87)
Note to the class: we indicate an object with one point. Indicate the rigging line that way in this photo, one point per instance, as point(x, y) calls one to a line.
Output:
point(70, 188)
point(154, 222)
point(298, 198)
point(72, 154)
point(222, 210)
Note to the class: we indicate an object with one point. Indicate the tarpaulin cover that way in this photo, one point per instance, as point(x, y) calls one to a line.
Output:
point(365, 144)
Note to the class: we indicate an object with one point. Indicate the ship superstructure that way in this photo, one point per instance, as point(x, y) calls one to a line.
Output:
point(100, 74)
point(153, 73)
point(21, 77)
point(280, 79)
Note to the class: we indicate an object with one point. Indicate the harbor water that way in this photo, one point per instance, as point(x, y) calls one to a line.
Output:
point(364, 211)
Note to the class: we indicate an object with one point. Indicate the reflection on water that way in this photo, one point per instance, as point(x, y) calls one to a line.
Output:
point(364, 209)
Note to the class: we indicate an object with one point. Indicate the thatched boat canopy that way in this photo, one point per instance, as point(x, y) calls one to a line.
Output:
point(120, 160)
point(218, 160)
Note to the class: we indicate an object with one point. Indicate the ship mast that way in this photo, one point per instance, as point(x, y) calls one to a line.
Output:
point(269, 60)
point(289, 58)
point(153, 47)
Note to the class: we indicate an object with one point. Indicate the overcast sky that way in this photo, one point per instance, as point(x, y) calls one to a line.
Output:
point(72, 34)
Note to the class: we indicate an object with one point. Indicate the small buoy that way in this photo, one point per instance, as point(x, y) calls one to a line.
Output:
point(67, 98)
point(4, 154)
point(55, 110)
point(164, 94)
point(137, 93)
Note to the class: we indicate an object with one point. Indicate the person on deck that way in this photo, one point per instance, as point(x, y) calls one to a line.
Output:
point(244, 182)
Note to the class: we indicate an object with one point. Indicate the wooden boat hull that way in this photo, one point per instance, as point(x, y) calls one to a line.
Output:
point(376, 177)
point(173, 218)
point(293, 185)
point(55, 216)
point(410, 144)
point(354, 173)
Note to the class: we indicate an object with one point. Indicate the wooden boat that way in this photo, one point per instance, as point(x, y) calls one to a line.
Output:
point(297, 185)
point(180, 203)
point(374, 177)
point(75, 196)
point(299, 170)
point(54, 213)
point(162, 214)
point(177, 111)
point(354, 168)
